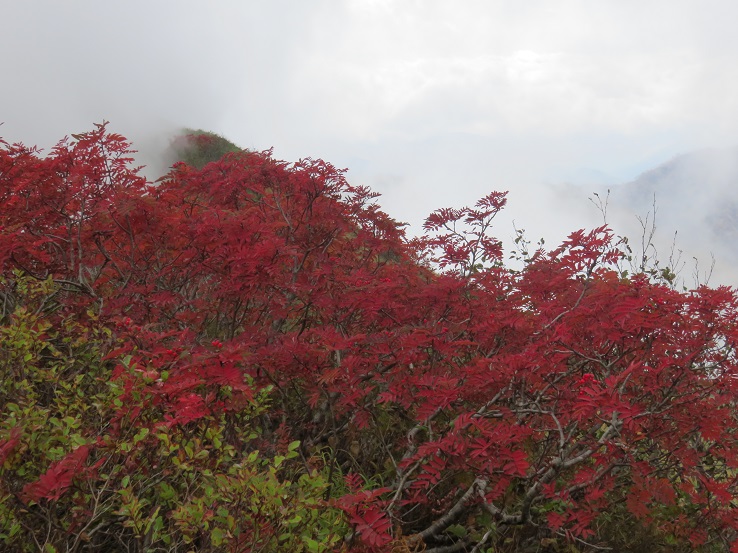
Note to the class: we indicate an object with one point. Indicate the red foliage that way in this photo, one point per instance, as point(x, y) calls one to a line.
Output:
point(480, 389)
point(365, 512)
point(58, 478)
point(8, 446)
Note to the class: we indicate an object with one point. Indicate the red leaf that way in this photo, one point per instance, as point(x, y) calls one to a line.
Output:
point(555, 520)
point(58, 478)
point(373, 526)
point(9, 445)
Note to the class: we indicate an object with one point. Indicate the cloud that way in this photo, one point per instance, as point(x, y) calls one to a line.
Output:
point(149, 68)
point(578, 67)
point(441, 101)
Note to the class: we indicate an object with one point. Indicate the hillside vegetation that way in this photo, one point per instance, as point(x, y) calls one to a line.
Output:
point(198, 148)
point(251, 356)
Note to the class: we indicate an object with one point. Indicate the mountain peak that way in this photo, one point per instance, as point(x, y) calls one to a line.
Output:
point(197, 147)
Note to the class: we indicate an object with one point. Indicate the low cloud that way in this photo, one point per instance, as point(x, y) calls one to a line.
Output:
point(440, 102)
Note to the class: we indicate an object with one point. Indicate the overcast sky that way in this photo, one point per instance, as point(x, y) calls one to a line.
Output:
point(432, 103)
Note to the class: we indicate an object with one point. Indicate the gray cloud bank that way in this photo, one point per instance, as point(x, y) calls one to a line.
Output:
point(431, 103)
point(693, 202)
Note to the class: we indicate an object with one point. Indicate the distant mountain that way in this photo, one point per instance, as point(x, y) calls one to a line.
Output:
point(695, 195)
point(687, 176)
point(198, 148)
point(700, 188)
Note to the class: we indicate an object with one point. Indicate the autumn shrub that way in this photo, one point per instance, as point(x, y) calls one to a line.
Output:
point(251, 355)
point(91, 461)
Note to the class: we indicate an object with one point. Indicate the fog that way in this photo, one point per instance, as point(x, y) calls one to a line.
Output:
point(430, 103)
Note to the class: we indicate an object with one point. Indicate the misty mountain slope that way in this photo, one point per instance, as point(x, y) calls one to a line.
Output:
point(706, 178)
point(198, 148)
point(695, 195)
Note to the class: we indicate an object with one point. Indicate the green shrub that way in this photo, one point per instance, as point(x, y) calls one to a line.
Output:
point(89, 461)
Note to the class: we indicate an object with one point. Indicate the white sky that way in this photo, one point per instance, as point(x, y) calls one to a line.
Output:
point(432, 103)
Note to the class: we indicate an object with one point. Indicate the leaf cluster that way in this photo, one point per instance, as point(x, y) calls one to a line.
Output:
point(250, 355)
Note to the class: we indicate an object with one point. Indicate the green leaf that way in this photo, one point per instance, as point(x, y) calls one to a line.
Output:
point(457, 530)
point(313, 546)
point(216, 536)
point(153, 518)
point(140, 435)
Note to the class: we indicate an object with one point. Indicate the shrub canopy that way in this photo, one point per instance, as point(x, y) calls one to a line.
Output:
point(252, 356)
